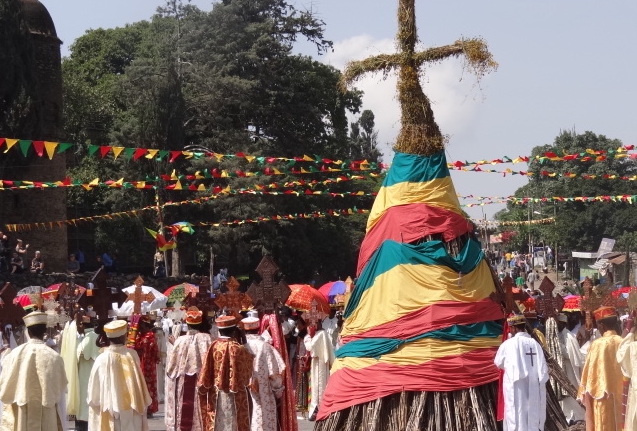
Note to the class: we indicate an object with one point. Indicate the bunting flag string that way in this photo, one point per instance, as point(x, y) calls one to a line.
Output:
point(67, 182)
point(50, 149)
point(548, 174)
point(496, 223)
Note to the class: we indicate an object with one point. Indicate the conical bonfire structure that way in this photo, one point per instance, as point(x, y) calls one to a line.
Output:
point(420, 331)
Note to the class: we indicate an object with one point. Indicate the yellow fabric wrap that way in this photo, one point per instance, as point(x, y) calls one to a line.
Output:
point(419, 352)
point(438, 193)
point(408, 288)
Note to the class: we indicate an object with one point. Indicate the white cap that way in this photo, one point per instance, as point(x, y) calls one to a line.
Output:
point(562, 318)
point(35, 318)
point(116, 328)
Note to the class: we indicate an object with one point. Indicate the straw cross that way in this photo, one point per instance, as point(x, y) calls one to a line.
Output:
point(419, 133)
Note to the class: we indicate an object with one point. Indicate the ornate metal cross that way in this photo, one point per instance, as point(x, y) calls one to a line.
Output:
point(508, 297)
point(314, 315)
point(269, 293)
point(595, 297)
point(233, 300)
point(138, 296)
point(202, 300)
point(10, 313)
point(419, 133)
point(548, 305)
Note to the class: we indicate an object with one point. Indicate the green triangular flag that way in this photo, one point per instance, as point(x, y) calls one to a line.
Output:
point(63, 147)
point(24, 147)
point(128, 153)
point(92, 149)
point(162, 154)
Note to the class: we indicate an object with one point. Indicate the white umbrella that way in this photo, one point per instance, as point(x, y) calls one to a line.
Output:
point(158, 303)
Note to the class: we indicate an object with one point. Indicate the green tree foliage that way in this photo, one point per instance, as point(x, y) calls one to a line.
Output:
point(579, 225)
point(225, 81)
point(364, 138)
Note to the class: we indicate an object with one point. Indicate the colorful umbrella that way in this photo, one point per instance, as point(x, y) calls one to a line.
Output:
point(178, 292)
point(52, 290)
point(301, 298)
point(333, 288)
point(572, 303)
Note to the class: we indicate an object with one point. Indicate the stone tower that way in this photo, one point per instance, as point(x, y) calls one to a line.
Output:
point(31, 206)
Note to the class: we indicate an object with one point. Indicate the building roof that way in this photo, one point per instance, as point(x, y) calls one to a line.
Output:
point(38, 18)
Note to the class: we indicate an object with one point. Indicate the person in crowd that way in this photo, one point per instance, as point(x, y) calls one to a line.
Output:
point(37, 263)
point(159, 266)
point(601, 383)
point(33, 383)
point(267, 377)
point(525, 377)
point(79, 255)
point(627, 358)
point(148, 352)
point(572, 364)
point(321, 351)
point(224, 380)
point(16, 263)
point(72, 266)
point(302, 366)
point(117, 394)
point(87, 352)
point(107, 261)
point(184, 364)
point(21, 249)
point(331, 326)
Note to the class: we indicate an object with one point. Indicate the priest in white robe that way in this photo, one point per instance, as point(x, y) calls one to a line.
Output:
point(87, 353)
point(117, 392)
point(627, 358)
point(33, 383)
point(572, 364)
point(267, 377)
point(322, 353)
point(185, 361)
point(525, 377)
point(68, 352)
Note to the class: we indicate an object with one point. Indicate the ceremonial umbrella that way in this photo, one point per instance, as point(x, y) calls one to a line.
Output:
point(53, 290)
point(301, 298)
point(178, 292)
point(572, 303)
point(333, 288)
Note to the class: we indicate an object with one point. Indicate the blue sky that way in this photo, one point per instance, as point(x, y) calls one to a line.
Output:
point(564, 65)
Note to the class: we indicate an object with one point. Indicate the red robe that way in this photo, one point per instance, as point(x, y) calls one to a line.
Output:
point(148, 351)
point(228, 368)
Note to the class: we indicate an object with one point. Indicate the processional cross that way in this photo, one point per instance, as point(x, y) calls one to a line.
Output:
point(202, 299)
point(268, 293)
point(10, 313)
point(419, 132)
point(508, 297)
point(138, 296)
point(595, 297)
point(234, 300)
point(313, 315)
point(548, 305)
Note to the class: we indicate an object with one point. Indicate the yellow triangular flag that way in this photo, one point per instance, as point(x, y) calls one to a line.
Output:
point(50, 148)
point(151, 154)
point(173, 175)
point(250, 158)
point(10, 143)
point(178, 186)
point(117, 151)
point(141, 184)
point(95, 182)
point(307, 158)
point(201, 188)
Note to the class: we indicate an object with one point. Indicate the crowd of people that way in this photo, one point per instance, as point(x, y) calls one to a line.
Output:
point(15, 259)
point(245, 372)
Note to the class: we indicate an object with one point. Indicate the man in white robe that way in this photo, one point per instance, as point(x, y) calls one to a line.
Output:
point(4, 351)
point(525, 377)
point(87, 353)
point(627, 358)
point(68, 352)
point(572, 364)
point(183, 407)
point(33, 383)
point(322, 353)
point(117, 392)
point(330, 325)
point(267, 377)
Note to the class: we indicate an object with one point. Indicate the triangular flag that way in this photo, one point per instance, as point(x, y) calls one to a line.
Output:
point(178, 186)
point(63, 147)
point(117, 151)
point(151, 153)
point(50, 149)
point(104, 150)
point(10, 143)
point(38, 146)
point(162, 154)
point(24, 147)
point(138, 152)
point(128, 153)
point(92, 149)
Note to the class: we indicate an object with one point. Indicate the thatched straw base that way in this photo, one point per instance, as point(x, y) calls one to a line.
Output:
point(465, 410)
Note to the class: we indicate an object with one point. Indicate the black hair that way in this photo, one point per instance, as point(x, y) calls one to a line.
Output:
point(37, 331)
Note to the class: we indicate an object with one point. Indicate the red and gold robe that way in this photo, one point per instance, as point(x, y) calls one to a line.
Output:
point(225, 378)
point(148, 351)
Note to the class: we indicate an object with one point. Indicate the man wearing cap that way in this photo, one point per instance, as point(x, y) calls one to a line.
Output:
point(117, 393)
point(267, 376)
point(182, 371)
point(33, 383)
point(601, 385)
point(525, 377)
point(572, 364)
point(223, 383)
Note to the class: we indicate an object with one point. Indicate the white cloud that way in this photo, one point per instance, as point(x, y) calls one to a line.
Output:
point(455, 103)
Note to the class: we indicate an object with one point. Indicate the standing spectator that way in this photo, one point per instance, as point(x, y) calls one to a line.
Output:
point(107, 261)
point(79, 255)
point(17, 264)
point(159, 266)
point(5, 253)
point(37, 263)
point(72, 266)
point(565, 273)
point(22, 251)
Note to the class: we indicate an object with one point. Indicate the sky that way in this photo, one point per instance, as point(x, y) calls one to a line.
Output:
point(563, 65)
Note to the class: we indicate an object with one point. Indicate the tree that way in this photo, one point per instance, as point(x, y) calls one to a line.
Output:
point(364, 138)
point(579, 225)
